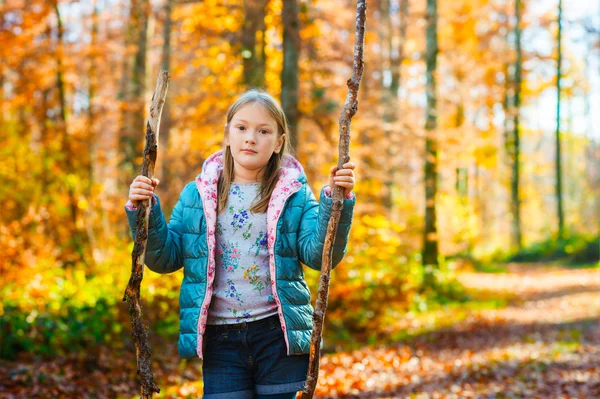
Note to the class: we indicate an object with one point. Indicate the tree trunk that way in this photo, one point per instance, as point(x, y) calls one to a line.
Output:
point(397, 61)
point(49, 225)
point(165, 124)
point(92, 85)
point(395, 87)
point(430, 236)
point(135, 88)
point(253, 43)
point(507, 105)
point(2, 96)
point(390, 101)
point(289, 73)
point(138, 78)
point(76, 240)
point(91, 137)
point(44, 140)
point(124, 97)
point(558, 164)
point(507, 108)
point(515, 150)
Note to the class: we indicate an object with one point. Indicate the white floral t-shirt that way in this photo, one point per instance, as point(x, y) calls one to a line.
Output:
point(242, 285)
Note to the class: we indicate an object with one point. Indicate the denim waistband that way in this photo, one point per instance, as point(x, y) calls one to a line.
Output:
point(240, 326)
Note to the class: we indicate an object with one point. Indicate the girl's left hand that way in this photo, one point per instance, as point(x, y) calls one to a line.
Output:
point(343, 177)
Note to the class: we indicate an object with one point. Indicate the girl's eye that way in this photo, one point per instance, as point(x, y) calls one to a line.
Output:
point(264, 131)
point(241, 128)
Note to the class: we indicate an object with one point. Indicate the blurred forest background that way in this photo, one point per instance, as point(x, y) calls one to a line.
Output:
point(476, 141)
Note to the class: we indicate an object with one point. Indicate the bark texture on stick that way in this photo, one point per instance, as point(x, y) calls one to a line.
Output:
point(132, 292)
point(349, 110)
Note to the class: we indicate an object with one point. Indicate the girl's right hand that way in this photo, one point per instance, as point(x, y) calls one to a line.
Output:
point(141, 189)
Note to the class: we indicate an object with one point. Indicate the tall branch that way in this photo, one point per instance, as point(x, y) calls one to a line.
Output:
point(132, 292)
point(349, 110)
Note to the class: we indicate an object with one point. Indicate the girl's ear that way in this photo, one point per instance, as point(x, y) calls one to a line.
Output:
point(279, 144)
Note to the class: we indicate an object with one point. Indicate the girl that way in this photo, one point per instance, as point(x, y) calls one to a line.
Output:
point(241, 231)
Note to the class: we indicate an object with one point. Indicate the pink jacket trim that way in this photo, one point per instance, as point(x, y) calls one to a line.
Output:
point(206, 184)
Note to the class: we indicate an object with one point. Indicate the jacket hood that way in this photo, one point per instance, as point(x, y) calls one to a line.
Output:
point(290, 170)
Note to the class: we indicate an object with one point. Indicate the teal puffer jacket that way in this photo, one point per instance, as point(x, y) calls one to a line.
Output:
point(296, 225)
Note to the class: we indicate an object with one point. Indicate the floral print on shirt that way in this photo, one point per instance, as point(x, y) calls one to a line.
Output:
point(252, 274)
point(240, 216)
point(242, 285)
point(232, 292)
point(260, 243)
point(228, 256)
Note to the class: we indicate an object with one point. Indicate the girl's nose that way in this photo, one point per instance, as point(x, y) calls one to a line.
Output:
point(250, 138)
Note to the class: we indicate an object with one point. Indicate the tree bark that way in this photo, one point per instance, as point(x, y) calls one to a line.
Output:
point(92, 86)
point(132, 292)
point(397, 62)
point(430, 235)
point(91, 136)
point(166, 118)
point(289, 73)
point(348, 112)
point(76, 240)
point(390, 99)
point(253, 43)
point(558, 164)
point(515, 150)
point(44, 140)
point(135, 87)
point(507, 102)
point(1, 93)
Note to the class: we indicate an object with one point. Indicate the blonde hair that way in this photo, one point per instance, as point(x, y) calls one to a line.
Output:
point(271, 173)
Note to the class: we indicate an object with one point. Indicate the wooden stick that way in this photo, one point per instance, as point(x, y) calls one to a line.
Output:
point(132, 292)
point(349, 110)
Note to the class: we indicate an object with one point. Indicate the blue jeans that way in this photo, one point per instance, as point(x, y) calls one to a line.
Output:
point(250, 361)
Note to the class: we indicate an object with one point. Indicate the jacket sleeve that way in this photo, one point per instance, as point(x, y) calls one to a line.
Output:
point(164, 246)
point(313, 229)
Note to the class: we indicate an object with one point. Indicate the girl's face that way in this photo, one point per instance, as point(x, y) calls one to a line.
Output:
point(252, 138)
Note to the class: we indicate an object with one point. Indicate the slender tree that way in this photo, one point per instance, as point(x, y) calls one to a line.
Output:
point(558, 163)
point(91, 121)
point(77, 242)
point(515, 142)
point(399, 59)
point(133, 86)
point(165, 124)
point(289, 73)
point(92, 87)
point(253, 43)
point(430, 235)
point(390, 100)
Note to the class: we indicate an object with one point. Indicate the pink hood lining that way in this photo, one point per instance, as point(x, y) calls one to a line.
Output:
point(206, 183)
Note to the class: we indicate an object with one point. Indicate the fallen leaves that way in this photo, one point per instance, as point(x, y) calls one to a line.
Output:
point(545, 344)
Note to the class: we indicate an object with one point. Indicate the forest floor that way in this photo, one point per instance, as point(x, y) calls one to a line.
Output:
point(544, 344)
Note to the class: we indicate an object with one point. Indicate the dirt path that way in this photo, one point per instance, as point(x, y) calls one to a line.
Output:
point(545, 344)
